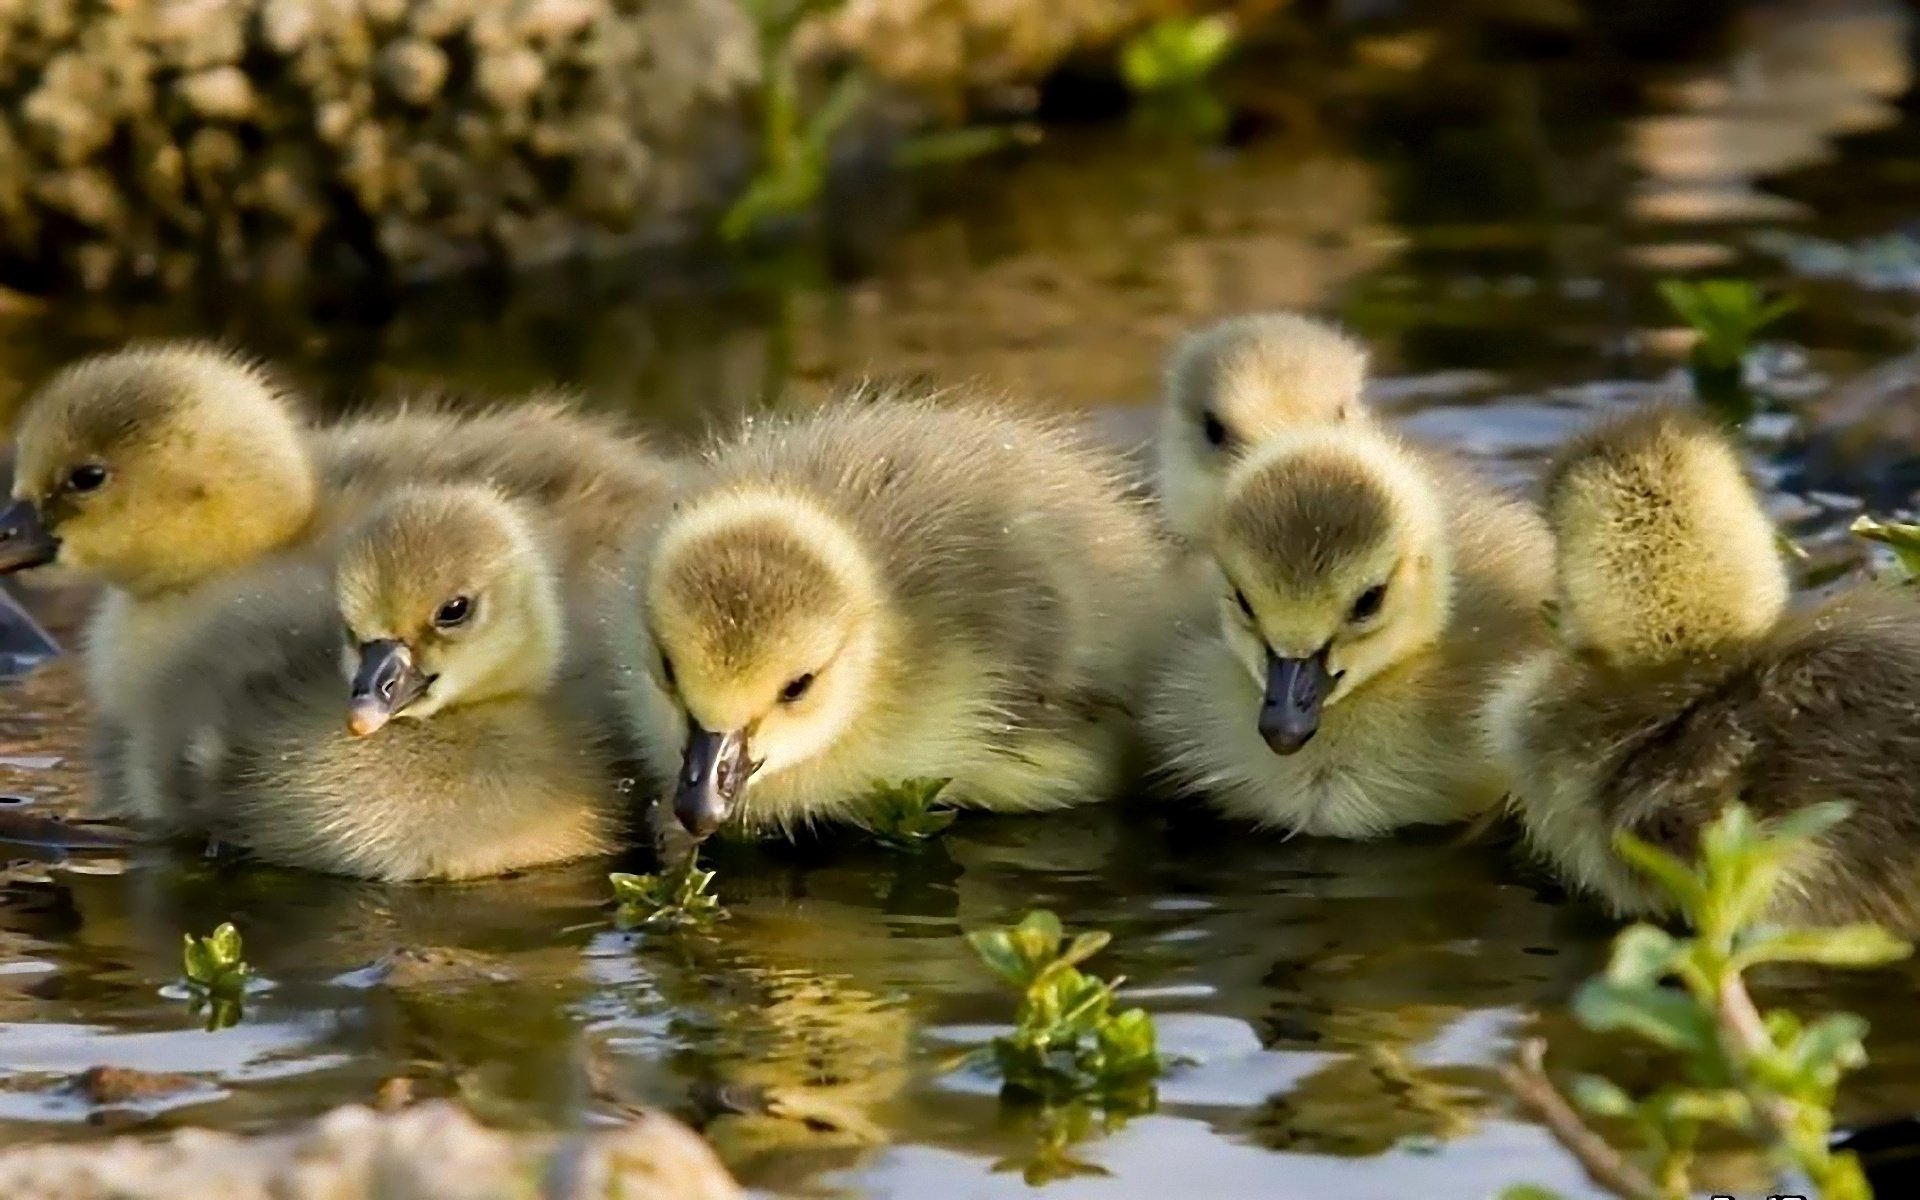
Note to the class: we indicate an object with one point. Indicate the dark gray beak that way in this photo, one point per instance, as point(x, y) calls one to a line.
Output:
point(1290, 711)
point(24, 540)
point(385, 684)
point(713, 774)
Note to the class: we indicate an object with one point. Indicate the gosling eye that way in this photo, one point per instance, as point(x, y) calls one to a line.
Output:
point(453, 613)
point(796, 688)
point(86, 477)
point(1214, 429)
point(1240, 598)
point(1368, 605)
point(666, 672)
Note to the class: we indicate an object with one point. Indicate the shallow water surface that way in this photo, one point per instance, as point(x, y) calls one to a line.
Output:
point(1342, 1011)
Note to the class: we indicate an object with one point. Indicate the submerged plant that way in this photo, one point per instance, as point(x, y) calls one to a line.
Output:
point(217, 975)
point(1727, 314)
point(1067, 1042)
point(670, 900)
point(1903, 539)
point(902, 815)
point(1769, 1077)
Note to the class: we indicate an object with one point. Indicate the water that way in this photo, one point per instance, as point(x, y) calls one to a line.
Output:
point(1344, 1009)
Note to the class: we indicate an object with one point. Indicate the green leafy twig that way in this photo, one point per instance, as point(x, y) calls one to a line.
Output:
point(1067, 1041)
point(667, 901)
point(1727, 314)
point(902, 815)
point(216, 974)
point(1770, 1077)
point(1902, 538)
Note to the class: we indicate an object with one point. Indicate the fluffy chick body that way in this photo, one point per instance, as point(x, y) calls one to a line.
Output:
point(1308, 524)
point(1683, 682)
point(955, 593)
point(1231, 386)
point(493, 769)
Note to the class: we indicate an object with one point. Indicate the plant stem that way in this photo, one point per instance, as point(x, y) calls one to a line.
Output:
point(1603, 1164)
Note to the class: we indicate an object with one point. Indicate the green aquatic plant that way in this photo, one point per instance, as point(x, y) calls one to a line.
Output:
point(1903, 539)
point(1768, 1077)
point(795, 143)
point(1169, 66)
point(902, 815)
point(1057, 1131)
point(797, 136)
point(670, 900)
point(1176, 52)
point(217, 975)
point(1068, 1042)
point(1727, 315)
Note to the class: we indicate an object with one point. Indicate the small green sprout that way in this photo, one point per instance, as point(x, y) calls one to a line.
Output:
point(667, 901)
point(1727, 314)
point(1067, 1041)
point(1769, 1077)
point(1902, 538)
point(902, 816)
point(1176, 52)
point(217, 975)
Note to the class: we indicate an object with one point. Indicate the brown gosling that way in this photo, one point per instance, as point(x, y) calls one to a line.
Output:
point(447, 750)
point(166, 472)
point(1682, 681)
point(890, 590)
point(1231, 386)
point(1367, 597)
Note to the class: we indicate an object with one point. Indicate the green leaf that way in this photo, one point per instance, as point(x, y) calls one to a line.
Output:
point(1529, 1191)
point(1809, 823)
point(198, 960)
point(1661, 1015)
point(1904, 539)
point(1175, 52)
point(1642, 956)
point(1705, 1106)
point(995, 948)
point(1672, 875)
point(1037, 938)
point(1085, 946)
point(1601, 1097)
point(1834, 1044)
point(225, 945)
point(1841, 946)
point(848, 93)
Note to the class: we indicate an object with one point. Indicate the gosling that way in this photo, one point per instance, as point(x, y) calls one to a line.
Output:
point(1682, 682)
point(435, 743)
point(1234, 384)
point(888, 591)
point(1367, 597)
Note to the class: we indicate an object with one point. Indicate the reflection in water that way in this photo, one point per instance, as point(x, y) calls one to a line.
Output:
point(1343, 1009)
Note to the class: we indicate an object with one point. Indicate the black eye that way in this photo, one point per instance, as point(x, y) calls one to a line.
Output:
point(796, 688)
point(666, 671)
point(1214, 428)
point(453, 612)
point(1369, 602)
point(1240, 598)
point(86, 477)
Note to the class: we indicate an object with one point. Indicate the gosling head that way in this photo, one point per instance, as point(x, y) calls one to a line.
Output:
point(767, 623)
point(1663, 550)
point(153, 468)
point(447, 600)
point(1333, 566)
point(1233, 385)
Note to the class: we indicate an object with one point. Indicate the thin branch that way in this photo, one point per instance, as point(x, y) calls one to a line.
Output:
point(1602, 1163)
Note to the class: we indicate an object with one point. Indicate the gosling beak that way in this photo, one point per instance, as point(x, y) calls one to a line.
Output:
point(712, 776)
point(24, 540)
point(1290, 711)
point(385, 684)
